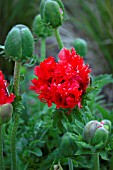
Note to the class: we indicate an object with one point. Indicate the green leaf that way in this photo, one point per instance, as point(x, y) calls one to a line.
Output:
point(102, 80)
point(52, 157)
point(37, 152)
point(84, 145)
point(57, 120)
point(103, 155)
point(22, 78)
point(17, 105)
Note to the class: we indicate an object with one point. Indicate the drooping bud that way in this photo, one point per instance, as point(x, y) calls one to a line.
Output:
point(68, 141)
point(40, 28)
point(95, 133)
point(19, 44)
point(52, 12)
point(80, 46)
point(6, 111)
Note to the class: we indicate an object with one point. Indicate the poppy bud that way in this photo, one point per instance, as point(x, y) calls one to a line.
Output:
point(40, 28)
point(19, 44)
point(52, 12)
point(68, 141)
point(80, 46)
point(5, 113)
point(95, 133)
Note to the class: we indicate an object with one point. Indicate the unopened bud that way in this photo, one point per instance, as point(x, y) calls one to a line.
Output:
point(68, 141)
point(6, 111)
point(80, 46)
point(40, 28)
point(19, 44)
point(95, 133)
point(52, 12)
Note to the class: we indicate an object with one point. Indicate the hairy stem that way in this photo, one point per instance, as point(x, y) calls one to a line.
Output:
point(70, 163)
point(1, 150)
point(15, 117)
point(58, 38)
point(16, 77)
point(43, 49)
point(96, 161)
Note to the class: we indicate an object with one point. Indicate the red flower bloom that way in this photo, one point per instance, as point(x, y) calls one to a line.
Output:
point(4, 96)
point(62, 83)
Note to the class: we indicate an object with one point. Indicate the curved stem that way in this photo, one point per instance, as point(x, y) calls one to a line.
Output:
point(58, 38)
point(43, 49)
point(96, 161)
point(1, 150)
point(70, 163)
point(16, 117)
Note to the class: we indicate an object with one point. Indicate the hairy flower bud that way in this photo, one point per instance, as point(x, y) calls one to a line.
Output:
point(52, 12)
point(68, 141)
point(80, 46)
point(95, 133)
point(19, 44)
point(40, 28)
point(5, 113)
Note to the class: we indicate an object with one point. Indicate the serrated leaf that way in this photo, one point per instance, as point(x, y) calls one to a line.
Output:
point(57, 120)
point(78, 127)
point(17, 105)
point(102, 80)
point(52, 157)
point(84, 145)
point(83, 152)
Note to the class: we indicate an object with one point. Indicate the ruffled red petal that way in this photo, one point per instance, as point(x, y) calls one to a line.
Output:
point(62, 83)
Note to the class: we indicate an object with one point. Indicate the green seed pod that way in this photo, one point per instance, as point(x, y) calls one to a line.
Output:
point(80, 46)
point(19, 44)
point(68, 141)
point(52, 12)
point(40, 29)
point(95, 133)
point(6, 111)
point(107, 124)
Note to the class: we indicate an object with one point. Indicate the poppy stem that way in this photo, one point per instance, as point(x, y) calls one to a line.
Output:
point(1, 150)
point(58, 38)
point(43, 49)
point(15, 117)
point(70, 163)
point(96, 161)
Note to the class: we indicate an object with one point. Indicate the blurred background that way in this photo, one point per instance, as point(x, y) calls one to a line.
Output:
point(90, 19)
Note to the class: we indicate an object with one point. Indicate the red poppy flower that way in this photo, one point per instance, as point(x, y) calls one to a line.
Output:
point(4, 96)
point(62, 83)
